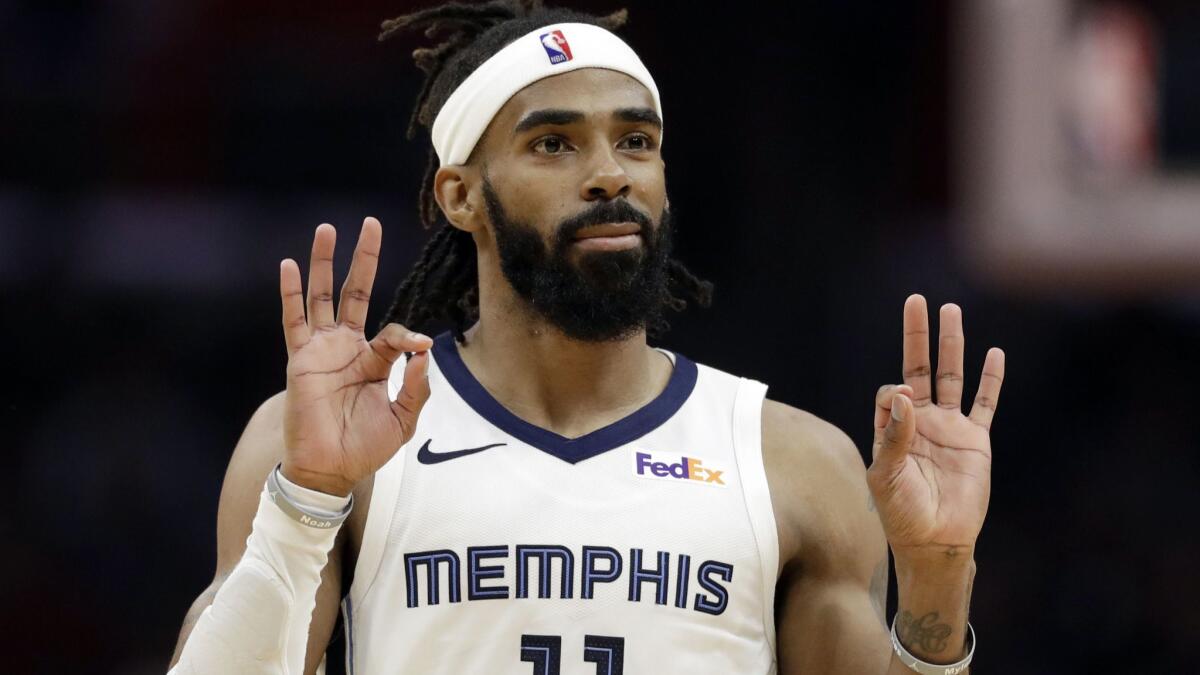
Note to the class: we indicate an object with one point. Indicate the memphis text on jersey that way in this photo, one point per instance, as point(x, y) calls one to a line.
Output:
point(503, 572)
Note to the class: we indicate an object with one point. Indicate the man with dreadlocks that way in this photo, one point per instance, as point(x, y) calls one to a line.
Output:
point(539, 491)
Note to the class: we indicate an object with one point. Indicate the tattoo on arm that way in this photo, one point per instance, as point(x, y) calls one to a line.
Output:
point(879, 589)
point(925, 632)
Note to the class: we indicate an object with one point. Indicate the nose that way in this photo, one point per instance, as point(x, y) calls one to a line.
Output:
point(607, 180)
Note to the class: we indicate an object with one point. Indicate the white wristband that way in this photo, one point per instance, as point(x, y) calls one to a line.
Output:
point(313, 500)
point(320, 517)
point(932, 668)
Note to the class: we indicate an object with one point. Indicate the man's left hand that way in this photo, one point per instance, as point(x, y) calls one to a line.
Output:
point(931, 471)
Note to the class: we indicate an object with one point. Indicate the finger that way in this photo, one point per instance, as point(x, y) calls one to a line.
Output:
point(895, 439)
point(414, 392)
point(989, 388)
point(950, 357)
point(291, 292)
point(320, 278)
point(916, 348)
point(395, 340)
point(883, 410)
point(883, 402)
point(356, 291)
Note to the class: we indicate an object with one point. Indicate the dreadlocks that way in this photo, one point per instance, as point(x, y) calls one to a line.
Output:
point(444, 284)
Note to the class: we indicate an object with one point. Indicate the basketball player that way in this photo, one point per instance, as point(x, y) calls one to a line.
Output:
point(539, 491)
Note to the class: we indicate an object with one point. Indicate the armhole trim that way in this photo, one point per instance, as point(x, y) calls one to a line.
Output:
point(377, 530)
point(348, 627)
point(747, 445)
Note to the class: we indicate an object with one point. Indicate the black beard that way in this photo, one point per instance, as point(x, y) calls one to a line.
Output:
point(609, 295)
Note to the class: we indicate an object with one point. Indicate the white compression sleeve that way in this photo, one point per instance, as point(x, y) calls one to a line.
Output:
point(258, 621)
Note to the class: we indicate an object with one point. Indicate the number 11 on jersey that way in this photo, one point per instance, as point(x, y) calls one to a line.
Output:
point(545, 653)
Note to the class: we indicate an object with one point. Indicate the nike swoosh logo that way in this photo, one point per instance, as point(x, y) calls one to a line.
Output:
point(425, 456)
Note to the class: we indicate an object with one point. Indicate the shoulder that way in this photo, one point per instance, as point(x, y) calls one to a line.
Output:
point(819, 492)
point(793, 435)
point(260, 446)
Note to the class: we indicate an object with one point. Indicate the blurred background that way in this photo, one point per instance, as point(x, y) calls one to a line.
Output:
point(1028, 159)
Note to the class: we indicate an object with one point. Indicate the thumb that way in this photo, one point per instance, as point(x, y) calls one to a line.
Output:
point(891, 446)
point(395, 340)
point(414, 392)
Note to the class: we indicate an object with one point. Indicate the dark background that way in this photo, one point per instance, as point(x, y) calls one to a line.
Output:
point(159, 159)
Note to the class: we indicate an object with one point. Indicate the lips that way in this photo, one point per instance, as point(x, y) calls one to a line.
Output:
point(608, 230)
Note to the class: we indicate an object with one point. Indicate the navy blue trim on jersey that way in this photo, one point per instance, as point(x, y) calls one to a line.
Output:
point(572, 450)
point(348, 613)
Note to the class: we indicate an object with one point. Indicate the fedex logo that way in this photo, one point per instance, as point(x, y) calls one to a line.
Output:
point(556, 46)
point(645, 465)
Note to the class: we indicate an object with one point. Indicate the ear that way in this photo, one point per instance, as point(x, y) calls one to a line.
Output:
point(452, 190)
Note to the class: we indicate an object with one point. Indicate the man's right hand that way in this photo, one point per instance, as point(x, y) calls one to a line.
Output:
point(339, 425)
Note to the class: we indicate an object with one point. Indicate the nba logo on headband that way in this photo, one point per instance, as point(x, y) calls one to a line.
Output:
point(556, 46)
point(542, 52)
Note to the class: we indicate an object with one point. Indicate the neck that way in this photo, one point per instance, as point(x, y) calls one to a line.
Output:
point(567, 386)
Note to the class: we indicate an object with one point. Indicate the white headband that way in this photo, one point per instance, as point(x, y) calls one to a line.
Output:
point(549, 50)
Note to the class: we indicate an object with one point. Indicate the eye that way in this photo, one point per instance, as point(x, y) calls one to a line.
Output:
point(553, 145)
point(644, 141)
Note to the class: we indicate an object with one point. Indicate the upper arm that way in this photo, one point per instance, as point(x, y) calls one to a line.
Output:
point(257, 452)
point(831, 594)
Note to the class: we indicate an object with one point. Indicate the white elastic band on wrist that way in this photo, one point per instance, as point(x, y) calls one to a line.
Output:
point(313, 500)
point(925, 668)
point(550, 50)
point(321, 517)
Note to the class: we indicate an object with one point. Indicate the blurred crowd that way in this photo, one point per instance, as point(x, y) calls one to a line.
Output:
point(161, 158)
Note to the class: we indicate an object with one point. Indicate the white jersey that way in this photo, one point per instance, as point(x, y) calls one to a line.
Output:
point(495, 546)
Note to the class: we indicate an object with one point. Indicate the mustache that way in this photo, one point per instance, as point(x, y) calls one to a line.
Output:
point(615, 211)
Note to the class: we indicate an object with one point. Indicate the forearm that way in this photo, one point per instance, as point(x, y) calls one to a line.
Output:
point(934, 600)
point(259, 619)
point(202, 602)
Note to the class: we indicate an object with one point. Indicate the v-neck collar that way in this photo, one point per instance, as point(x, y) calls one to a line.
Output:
point(573, 450)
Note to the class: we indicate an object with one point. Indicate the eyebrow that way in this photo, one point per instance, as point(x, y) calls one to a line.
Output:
point(560, 117)
point(645, 115)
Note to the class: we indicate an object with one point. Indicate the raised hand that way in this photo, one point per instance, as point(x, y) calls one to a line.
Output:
point(932, 465)
point(339, 425)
